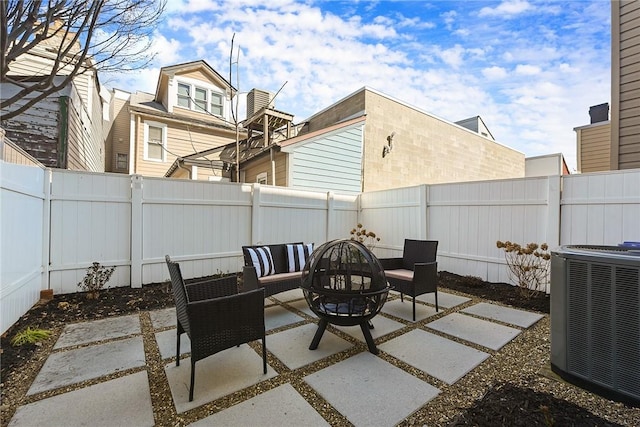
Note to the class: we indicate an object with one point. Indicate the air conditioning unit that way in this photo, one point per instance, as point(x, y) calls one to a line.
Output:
point(257, 99)
point(595, 319)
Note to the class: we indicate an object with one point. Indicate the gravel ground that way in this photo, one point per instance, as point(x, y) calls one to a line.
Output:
point(514, 387)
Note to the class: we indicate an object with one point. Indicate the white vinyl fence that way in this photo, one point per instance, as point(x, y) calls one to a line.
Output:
point(54, 224)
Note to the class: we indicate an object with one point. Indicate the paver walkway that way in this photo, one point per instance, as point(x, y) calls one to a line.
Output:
point(445, 348)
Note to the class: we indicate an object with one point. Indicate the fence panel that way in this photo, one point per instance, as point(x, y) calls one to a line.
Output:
point(468, 218)
point(394, 215)
point(198, 223)
point(90, 221)
point(22, 227)
point(601, 208)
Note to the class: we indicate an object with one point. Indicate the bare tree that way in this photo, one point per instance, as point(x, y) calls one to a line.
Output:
point(79, 35)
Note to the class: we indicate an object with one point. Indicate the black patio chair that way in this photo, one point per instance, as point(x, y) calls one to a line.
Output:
point(215, 316)
point(416, 273)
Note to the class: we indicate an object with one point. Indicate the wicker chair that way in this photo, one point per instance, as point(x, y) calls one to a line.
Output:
point(416, 273)
point(215, 316)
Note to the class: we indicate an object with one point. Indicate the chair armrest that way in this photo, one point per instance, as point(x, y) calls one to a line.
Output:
point(425, 273)
point(214, 288)
point(391, 263)
point(249, 278)
point(244, 310)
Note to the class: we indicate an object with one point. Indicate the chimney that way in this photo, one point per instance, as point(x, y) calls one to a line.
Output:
point(599, 113)
point(257, 99)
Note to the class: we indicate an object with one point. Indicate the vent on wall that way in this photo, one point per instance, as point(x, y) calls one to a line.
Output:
point(595, 319)
point(257, 99)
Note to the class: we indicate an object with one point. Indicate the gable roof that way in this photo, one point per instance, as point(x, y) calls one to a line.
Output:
point(172, 70)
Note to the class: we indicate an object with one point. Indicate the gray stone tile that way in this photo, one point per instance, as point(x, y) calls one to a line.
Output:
point(478, 331)
point(122, 401)
point(292, 346)
point(74, 366)
point(404, 310)
point(509, 315)
point(382, 326)
point(380, 402)
point(281, 406)
point(164, 318)
point(439, 357)
point(216, 376)
point(445, 300)
point(292, 295)
point(277, 316)
point(98, 330)
point(303, 307)
point(167, 343)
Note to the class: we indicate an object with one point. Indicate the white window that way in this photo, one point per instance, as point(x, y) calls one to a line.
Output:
point(122, 161)
point(184, 95)
point(261, 178)
point(155, 141)
point(216, 104)
point(201, 99)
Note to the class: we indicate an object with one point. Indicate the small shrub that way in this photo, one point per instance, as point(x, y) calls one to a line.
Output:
point(29, 336)
point(528, 265)
point(364, 236)
point(96, 278)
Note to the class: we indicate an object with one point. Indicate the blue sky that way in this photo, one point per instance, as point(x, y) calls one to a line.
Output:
point(530, 69)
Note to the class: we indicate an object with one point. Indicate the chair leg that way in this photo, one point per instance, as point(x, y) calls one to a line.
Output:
point(193, 377)
point(401, 297)
point(264, 355)
point(436, 295)
point(178, 349)
point(414, 308)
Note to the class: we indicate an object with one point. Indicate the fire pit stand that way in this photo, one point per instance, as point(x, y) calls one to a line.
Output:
point(344, 284)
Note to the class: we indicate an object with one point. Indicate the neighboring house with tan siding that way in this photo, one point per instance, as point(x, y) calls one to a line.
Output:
point(625, 85)
point(190, 112)
point(594, 147)
point(65, 129)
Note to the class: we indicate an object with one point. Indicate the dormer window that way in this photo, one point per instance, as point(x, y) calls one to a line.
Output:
point(200, 98)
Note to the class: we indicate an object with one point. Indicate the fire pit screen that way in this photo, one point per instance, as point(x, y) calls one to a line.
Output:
point(344, 284)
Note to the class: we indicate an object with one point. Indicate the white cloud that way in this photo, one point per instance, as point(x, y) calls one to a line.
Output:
point(494, 73)
point(506, 9)
point(527, 70)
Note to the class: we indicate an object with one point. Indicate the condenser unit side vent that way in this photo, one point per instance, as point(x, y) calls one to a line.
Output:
point(258, 99)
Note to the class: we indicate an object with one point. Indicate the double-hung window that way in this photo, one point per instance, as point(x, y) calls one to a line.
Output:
point(216, 104)
point(201, 99)
point(184, 95)
point(155, 137)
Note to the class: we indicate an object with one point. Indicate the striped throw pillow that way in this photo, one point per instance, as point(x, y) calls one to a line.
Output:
point(297, 256)
point(262, 260)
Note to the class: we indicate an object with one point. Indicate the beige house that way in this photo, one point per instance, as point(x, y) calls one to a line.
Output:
point(65, 129)
point(625, 85)
point(370, 141)
point(190, 112)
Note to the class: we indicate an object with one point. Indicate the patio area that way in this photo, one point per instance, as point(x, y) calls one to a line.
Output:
point(120, 370)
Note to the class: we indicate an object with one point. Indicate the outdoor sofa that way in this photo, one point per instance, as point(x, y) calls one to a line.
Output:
point(275, 268)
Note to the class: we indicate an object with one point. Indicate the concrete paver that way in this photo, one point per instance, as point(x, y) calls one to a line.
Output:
point(404, 309)
point(74, 366)
point(278, 316)
point(439, 357)
point(509, 315)
point(478, 331)
point(281, 406)
point(445, 300)
point(98, 330)
point(379, 403)
point(382, 326)
point(164, 318)
point(166, 341)
point(124, 401)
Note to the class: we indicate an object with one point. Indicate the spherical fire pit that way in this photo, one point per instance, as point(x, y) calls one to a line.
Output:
point(344, 284)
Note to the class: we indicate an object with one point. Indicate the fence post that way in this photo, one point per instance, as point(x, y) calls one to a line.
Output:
point(136, 230)
point(46, 229)
point(255, 214)
point(424, 218)
point(553, 211)
point(330, 216)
